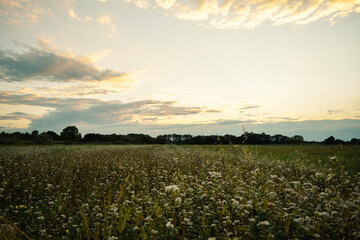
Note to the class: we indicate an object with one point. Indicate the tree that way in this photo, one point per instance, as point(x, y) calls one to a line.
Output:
point(53, 135)
point(330, 140)
point(70, 133)
point(34, 134)
point(44, 138)
point(298, 139)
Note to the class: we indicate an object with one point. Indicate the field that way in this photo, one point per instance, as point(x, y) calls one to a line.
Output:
point(180, 192)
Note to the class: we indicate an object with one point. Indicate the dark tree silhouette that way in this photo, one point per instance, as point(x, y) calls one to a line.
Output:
point(54, 136)
point(34, 134)
point(330, 140)
point(44, 138)
point(70, 133)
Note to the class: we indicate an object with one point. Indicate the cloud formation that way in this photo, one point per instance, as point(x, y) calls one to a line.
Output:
point(48, 63)
point(20, 13)
point(105, 19)
point(73, 15)
point(249, 106)
point(251, 13)
point(332, 111)
point(95, 111)
point(17, 116)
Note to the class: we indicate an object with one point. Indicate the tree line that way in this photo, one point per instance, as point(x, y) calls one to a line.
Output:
point(71, 135)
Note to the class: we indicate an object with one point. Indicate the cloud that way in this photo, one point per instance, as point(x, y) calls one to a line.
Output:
point(99, 55)
point(75, 90)
point(105, 19)
point(248, 106)
point(213, 111)
point(232, 122)
point(72, 14)
point(17, 116)
point(335, 111)
point(16, 98)
point(251, 13)
point(95, 111)
point(48, 63)
point(20, 13)
point(114, 112)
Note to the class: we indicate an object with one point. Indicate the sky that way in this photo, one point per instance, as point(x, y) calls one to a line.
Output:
point(206, 67)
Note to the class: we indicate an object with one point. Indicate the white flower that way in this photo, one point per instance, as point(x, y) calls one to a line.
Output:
point(113, 238)
point(215, 174)
point(318, 175)
point(169, 225)
point(263, 223)
point(172, 188)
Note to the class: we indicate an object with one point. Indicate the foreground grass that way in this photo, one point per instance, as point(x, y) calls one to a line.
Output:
point(173, 192)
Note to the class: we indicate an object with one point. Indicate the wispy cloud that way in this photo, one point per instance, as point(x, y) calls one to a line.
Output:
point(332, 111)
point(18, 98)
point(17, 116)
point(48, 63)
point(231, 122)
point(251, 13)
point(20, 13)
point(105, 19)
point(74, 90)
point(73, 15)
point(249, 106)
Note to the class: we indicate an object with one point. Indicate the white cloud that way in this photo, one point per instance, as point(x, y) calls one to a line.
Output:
point(72, 14)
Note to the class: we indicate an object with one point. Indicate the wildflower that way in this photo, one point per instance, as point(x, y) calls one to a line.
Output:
point(172, 188)
point(136, 228)
point(324, 214)
point(263, 223)
point(113, 238)
point(318, 175)
point(169, 225)
point(215, 174)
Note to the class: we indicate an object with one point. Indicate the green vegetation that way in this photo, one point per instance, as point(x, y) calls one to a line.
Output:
point(178, 192)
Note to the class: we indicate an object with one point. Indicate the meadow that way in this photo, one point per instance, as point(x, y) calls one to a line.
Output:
point(179, 192)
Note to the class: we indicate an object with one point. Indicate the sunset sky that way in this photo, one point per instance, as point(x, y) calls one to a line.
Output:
point(173, 66)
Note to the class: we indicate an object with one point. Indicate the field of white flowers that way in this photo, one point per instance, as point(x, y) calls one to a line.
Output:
point(172, 192)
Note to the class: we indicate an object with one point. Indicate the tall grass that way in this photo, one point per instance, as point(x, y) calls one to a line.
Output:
point(173, 192)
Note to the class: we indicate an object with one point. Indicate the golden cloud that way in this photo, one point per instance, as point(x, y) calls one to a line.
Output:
point(73, 15)
point(20, 13)
point(251, 13)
